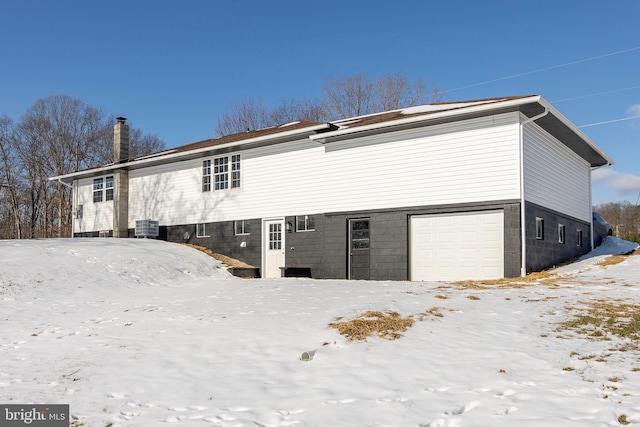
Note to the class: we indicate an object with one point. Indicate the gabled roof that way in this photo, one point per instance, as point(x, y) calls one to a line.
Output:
point(532, 106)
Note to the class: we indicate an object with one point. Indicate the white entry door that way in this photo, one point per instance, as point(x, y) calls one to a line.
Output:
point(458, 246)
point(273, 241)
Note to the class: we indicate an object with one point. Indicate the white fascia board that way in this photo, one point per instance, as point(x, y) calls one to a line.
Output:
point(427, 117)
point(176, 156)
point(576, 130)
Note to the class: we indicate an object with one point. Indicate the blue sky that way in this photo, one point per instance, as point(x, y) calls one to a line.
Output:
point(173, 67)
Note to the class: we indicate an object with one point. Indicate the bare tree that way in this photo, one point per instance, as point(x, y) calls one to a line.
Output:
point(141, 144)
point(57, 135)
point(246, 114)
point(292, 110)
point(624, 219)
point(345, 97)
point(360, 95)
point(252, 114)
point(9, 178)
point(349, 96)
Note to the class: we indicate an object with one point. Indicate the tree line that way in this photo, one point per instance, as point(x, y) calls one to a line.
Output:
point(624, 218)
point(56, 135)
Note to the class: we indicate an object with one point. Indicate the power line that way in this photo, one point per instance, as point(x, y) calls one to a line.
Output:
point(546, 69)
point(594, 94)
point(609, 121)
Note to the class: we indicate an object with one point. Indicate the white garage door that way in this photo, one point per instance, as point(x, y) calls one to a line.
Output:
point(457, 246)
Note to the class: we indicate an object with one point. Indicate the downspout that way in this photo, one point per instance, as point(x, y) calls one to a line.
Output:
point(523, 234)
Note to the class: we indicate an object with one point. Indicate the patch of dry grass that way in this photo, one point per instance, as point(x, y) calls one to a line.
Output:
point(231, 262)
point(389, 325)
point(432, 312)
point(603, 319)
point(545, 277)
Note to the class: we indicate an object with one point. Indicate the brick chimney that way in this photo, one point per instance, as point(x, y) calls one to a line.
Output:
point(121, 179)
point(121, 141)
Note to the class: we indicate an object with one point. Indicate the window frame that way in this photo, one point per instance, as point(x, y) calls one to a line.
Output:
point(579, 237)
point(307, 221)
point(200, 233)
point(539, 228)
point(235, 171)
point(97, 189)
point(206, 175)
point(221, 173)
point(245, 229)
point(101, 191)
point(109, 189)
point(562, 234)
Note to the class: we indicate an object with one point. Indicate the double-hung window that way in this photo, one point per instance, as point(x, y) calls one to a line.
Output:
point(98, 185)
point(108, 188)
point(103, 189)
point(221, 173)
point(206, 175)
point(235, 171)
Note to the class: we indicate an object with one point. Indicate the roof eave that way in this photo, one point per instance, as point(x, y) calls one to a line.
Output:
point(495, 105)
point(200, 152)
point(604, 160)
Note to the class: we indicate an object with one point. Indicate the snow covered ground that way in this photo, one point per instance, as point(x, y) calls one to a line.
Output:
point(143, 333)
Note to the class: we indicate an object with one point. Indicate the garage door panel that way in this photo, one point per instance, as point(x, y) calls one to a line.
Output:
point(457, 246)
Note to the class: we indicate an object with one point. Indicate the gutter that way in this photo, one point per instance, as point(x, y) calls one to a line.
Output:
point(59, 180)
point(523, 233)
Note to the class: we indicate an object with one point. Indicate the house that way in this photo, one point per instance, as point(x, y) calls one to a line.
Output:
point(479, 189)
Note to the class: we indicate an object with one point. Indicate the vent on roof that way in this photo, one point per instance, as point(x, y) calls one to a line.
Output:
point(147, 228)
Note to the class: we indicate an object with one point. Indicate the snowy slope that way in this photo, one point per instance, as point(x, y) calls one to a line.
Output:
point(144, 333)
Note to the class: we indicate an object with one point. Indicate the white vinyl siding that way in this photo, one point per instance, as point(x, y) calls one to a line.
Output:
point(463, 162)
point(554, 176)
point(95, 216)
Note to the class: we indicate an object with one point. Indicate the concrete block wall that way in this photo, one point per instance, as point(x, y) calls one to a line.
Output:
point(547, 252)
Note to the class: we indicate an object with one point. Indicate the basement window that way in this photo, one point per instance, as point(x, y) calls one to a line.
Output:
point(201, 230)
point(305, 223)
point(539, 228)
point(561, 234)
point(241, 227)
point(579, 237)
